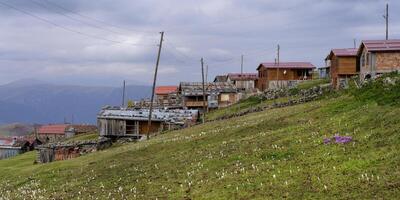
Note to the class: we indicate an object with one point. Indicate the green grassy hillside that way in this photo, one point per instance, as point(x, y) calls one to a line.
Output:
point(274, 154)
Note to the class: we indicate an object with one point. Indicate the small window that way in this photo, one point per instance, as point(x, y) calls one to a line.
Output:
point(224, 97)
point(367, 58)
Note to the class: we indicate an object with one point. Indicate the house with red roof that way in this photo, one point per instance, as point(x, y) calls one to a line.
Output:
point(343, 65)
point(166, 95)
point(377, 57)
point(282, 74)
point(56, 132)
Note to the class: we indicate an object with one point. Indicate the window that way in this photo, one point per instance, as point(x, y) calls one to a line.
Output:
point(367, 58)
point(224, 97)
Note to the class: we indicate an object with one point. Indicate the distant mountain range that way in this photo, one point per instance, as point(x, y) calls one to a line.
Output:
point(16, 129)
point(32, 101)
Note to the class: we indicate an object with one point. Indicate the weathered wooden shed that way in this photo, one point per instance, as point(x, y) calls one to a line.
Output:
point(121, 122)
point(218, 94)
point(10, 147)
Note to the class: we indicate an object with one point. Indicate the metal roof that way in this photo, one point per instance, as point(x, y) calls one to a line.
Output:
point(345, 52)
point(160, 90)
point(196, 88)
point(243, 76)
point(58, 129)
point(381, 45)
point(287, 65)
point(163, 115)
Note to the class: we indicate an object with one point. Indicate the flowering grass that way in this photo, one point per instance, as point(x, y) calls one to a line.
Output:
point(274, 154)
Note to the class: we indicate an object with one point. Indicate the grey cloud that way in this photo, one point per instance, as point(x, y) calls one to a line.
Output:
point(220, 31)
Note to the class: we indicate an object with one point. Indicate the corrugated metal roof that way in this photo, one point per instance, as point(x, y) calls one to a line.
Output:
point(160, 90)
point(164, 115)
point(381, 45)
point(53, 129)
point(243, 76)
point(345, 52)
point(196, 88)
point(287, 65)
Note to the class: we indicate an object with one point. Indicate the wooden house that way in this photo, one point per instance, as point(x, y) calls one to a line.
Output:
point(343, 65)
point(283, 74)
point(218, 94)
point(10, 147)
point(243, 81)
point(119, 122)
point(166, 95)
point(377, 57)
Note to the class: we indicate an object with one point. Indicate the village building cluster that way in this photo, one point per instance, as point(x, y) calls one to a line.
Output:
point(182, 105)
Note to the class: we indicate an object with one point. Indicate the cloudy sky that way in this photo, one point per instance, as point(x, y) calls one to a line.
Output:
point(102, 42)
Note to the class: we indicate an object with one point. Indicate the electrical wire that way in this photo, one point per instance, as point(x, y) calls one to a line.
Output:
point(97, 20)
point(69, 29)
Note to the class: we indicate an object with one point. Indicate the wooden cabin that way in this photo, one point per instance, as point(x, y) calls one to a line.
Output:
point(118, 122)
point(343, 65)
point(12, 146)
point(284, 74)
point(377, 57)
point(166, 95)
point(217, 94)
point(243, 81)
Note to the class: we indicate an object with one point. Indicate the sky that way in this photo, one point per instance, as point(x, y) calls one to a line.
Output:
point(103, 42)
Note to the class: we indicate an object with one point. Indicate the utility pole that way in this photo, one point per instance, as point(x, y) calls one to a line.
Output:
point(123, 94)
point(241, 65)
point(277, 68)
point(354, 41)
point(386, 16)
point(154, 85)
point(206, 73)
point(204, 91)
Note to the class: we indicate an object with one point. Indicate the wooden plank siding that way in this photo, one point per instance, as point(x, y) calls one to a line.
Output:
point(342, 67)
point(347, 65)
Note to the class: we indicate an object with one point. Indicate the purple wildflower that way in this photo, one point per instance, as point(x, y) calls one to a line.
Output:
point(343, 139)
point(327, 140)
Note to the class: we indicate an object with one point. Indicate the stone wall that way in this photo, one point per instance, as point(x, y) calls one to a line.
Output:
point(299, 97)
point(64, 151)
point(386, 62)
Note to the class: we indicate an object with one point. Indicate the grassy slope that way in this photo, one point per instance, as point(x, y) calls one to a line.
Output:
point(272, 154)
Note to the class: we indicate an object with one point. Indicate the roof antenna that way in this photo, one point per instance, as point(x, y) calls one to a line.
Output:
point(354, 41)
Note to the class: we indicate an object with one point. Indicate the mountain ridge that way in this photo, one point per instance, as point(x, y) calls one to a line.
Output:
point(42, 102)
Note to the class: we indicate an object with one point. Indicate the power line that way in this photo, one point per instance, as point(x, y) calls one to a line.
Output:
point(74, 19)
point(69, 29)
point(94, 19)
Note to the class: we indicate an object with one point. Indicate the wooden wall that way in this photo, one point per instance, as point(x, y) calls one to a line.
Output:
point(143, 127)
point(342, 67)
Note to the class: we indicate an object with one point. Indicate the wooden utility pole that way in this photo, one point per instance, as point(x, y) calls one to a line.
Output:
point(241, 65)
point(154, 86)
point(277, 68)
point(123, 94)
point(386, 16)
point(206, 73)
point(204, 91)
